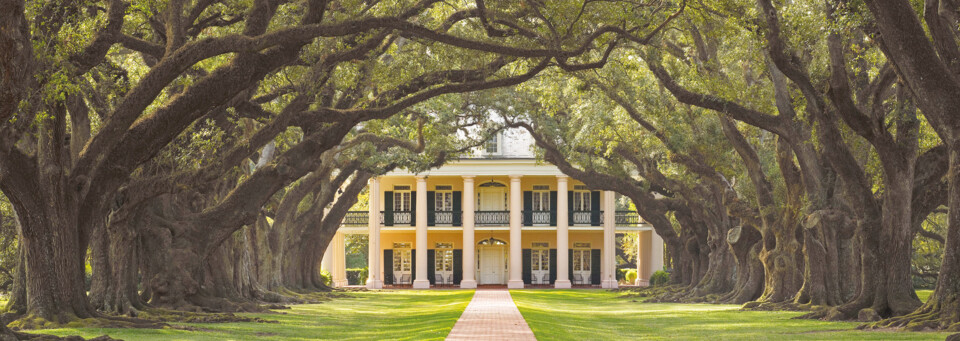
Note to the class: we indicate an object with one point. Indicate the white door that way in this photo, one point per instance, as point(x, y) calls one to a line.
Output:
point(443, 264)
point(492, 199)
point(581, 265)
point(540, 266)
point(491, 265)
point(402, 266)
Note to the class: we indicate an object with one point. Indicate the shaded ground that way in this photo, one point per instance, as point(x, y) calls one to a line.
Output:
point(397, 315)
point(600, 314)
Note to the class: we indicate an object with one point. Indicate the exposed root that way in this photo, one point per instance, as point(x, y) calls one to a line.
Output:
point(35, 322)
point(928, 318)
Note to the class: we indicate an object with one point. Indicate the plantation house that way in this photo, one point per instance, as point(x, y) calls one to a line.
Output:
point(496, 218)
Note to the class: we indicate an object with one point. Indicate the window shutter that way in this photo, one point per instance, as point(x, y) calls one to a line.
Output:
point(570, 208)
point(457, 208)
point(388, 208)
point(431, 266)
point(431, 208)
point(527, 208)
point(570, 264)
point(595, 208)
point(595, 266)
point(413, 264)
point(413, 208)
point(553, 266)
point(388, 266)
point(553, 208)
point(457, 266)
point(527, 253)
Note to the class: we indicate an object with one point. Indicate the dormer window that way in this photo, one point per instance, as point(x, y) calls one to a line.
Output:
point(492, 146)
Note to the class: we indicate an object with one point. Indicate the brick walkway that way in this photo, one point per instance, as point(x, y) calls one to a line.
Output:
point(491, 315)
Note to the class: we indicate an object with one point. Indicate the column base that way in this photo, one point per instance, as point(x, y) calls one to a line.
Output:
point(468, 284)
point(340, 283)
point(515, 284)
point(563, 284)
point(608, 284)
point(421, 284)
point(374, 284)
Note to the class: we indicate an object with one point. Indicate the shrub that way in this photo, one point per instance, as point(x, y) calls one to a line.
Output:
point(326, 278)
point(621, 274)
point(357, 276)
point(631, 276)
point(659, 278)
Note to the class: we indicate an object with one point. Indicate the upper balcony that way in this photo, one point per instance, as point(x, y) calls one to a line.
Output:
point(492, 218)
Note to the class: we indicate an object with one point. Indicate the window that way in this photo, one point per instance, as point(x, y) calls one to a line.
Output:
point(443, 199)
point(492, 146)
point(443, 257)
point(401, 201)
point(581, 201)
point(541, 200)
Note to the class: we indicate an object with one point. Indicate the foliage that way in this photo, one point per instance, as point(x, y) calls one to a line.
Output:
point(326, 278)
point(631, 276)
point(928, 252)
point(357, 276)
point(9, 244)
point(659, 278)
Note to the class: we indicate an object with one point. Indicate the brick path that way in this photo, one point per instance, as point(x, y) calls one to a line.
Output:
point(491, 315)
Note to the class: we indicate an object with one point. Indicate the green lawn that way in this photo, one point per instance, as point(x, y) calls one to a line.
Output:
point(396, 315)
point(603, 315)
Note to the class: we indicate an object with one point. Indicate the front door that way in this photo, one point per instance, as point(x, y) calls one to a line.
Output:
point(443, 263)
point(581, 265)
point(491, 265)
point(540, 266)
point(402, 265)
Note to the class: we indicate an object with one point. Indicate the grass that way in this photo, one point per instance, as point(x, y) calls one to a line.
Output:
point(924, 294)
point(604, 315)
point(395, 315)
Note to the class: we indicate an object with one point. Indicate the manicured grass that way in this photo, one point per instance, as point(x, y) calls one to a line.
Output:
point(924, 294)
point(395, 315)
point(603, 315)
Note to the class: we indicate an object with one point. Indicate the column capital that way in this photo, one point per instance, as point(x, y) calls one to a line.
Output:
point(515, 177)
point(563, 178)
point(468, 177)
point(420, 177)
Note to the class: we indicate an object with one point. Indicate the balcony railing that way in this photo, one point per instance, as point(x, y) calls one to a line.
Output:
point(488, 218)
point(492, 218)
point(394, 218)
point(356, 218)
point(536, 218)
point(586, 218)
point(447, 217)
point(627, 218)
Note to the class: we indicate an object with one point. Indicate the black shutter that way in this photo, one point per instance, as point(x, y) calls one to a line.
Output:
point(595, 266)
point(457, 266)
point(527, 208)
point(413, 264)
point(526, 266)
point(457, 208)
point(595, 208)
point(570, 264)
point(431, 208)
point(388, 208)
point(570, 208)
point(431, 266)
point(413, 208)
point(553, 266)
point(388, 266)
point(553, 208)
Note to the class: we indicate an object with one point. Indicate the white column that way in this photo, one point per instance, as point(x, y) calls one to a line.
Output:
point(339, 272)
point(469, 243)
point(608, 265)
point(374, 281)
point(516, 246)
point(563, 234)
point(420, 280)
point(656, 252)
point(326, 263)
